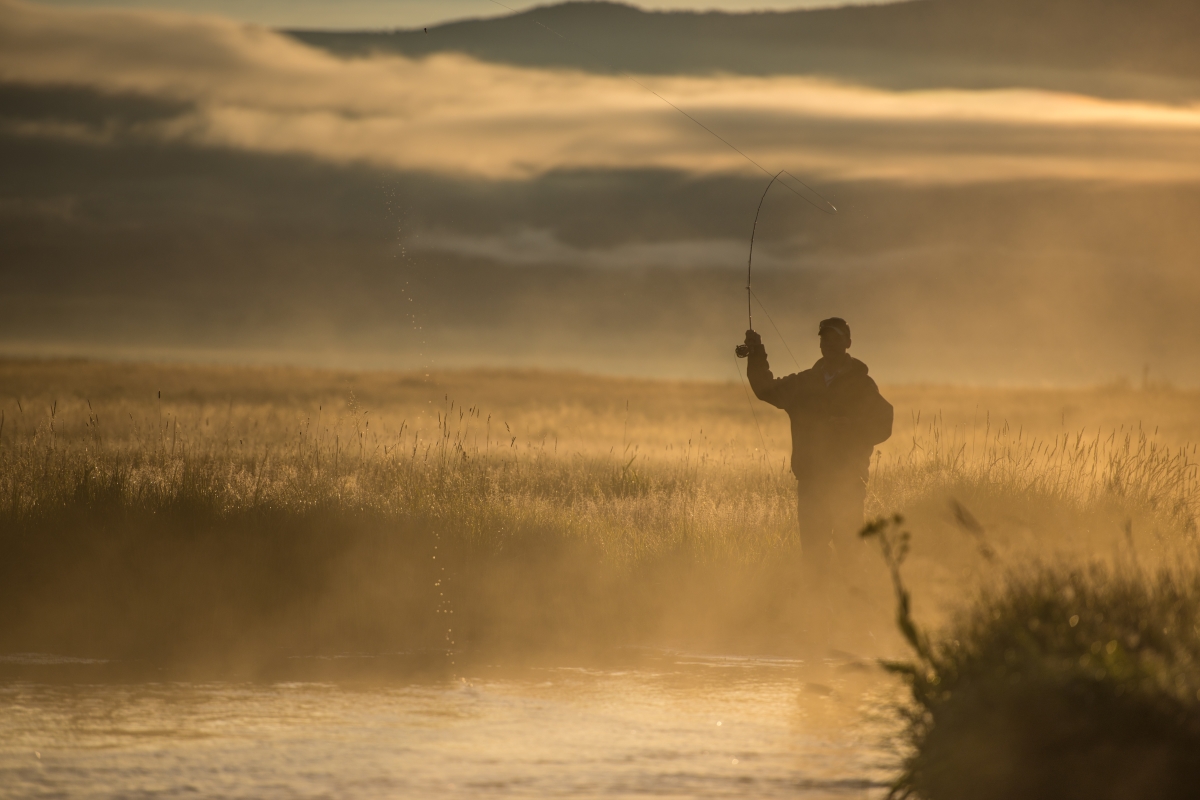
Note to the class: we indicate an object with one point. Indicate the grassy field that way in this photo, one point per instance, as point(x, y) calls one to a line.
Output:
point(230, 514)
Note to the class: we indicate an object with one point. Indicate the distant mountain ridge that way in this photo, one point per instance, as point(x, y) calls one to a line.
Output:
point(1105, 47)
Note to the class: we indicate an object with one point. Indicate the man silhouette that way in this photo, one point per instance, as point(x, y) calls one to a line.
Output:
point(837, 416)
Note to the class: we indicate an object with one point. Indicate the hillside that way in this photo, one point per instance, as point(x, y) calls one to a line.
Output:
point(1102, 47)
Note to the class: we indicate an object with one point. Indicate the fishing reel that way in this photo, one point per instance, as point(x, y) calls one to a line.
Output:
point(752, 340)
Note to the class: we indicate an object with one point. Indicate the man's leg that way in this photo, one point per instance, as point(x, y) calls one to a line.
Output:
point(846, 502)
point(816, 524)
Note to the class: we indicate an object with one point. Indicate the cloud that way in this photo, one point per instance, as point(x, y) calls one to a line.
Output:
point(541, 247)
point(248, 88)
point(533, 247)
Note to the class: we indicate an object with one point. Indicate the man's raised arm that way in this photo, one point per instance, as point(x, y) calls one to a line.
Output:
point(766, 386)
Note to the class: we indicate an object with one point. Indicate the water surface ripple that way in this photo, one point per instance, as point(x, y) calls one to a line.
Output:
point(678, 726)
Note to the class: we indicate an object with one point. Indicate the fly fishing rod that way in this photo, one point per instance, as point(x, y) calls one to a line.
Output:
point(744, 350)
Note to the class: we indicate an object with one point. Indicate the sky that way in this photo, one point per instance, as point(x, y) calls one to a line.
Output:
point(396, 13)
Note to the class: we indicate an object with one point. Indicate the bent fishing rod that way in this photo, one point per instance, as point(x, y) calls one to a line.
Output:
point(744, 350)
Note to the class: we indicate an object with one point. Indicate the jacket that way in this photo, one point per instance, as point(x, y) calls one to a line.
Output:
point(835, 425)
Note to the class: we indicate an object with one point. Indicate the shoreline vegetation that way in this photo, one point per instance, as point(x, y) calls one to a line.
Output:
point(1058, 681)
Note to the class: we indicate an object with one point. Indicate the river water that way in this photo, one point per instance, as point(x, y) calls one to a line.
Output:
point(672, 725)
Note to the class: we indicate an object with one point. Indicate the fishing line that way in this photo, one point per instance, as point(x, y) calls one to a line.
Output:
point(716, 135)
point(750, 402)
point(777, 331)
point(826, 207)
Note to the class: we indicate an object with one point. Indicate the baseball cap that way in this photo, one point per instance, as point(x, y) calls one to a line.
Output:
point(837, 324)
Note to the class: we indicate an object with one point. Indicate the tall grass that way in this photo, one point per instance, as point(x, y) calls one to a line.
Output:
point(481, 482)
point(1123, 474)
point(478, 487)
point(283, 515)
